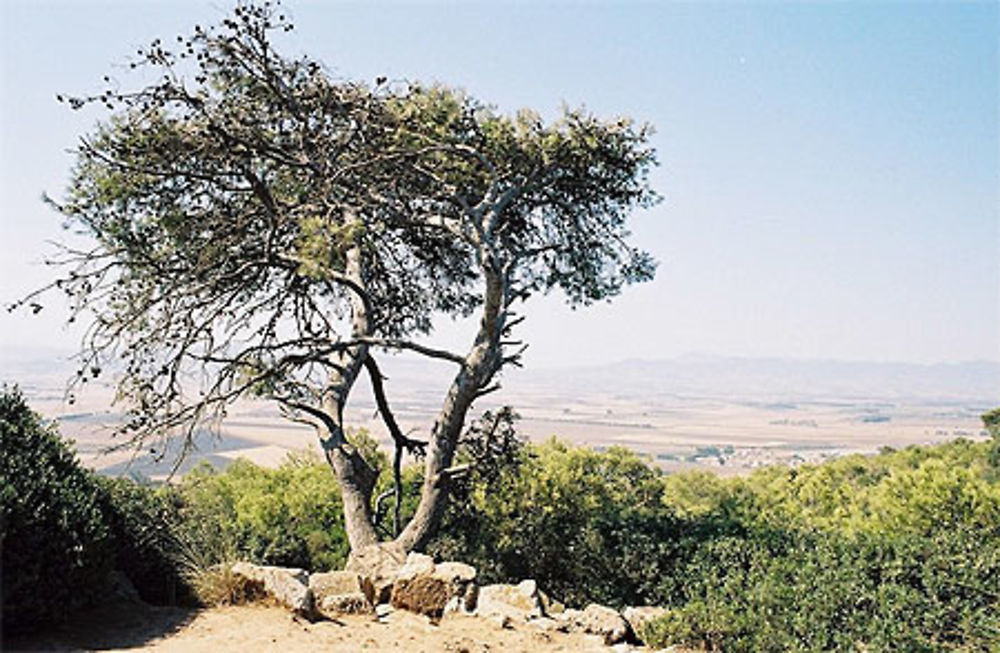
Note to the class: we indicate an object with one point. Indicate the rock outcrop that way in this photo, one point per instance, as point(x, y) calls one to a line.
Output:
point(380, 579)
point(425, 588)
point(379, 563)
point(289, 586)
point(637, 617)
point(606, 622)
point(597, 620)
point(519, 603)
point(342, 592)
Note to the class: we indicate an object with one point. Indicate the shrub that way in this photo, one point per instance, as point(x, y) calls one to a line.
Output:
point(57, 549)
point(587, 526)
point(290, 516)
point(822, 591)
point(145, 523)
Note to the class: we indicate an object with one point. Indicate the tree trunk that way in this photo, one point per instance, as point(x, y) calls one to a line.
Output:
point(356, 477)
point(480, 365)
point(357, 481)
point(441, 452)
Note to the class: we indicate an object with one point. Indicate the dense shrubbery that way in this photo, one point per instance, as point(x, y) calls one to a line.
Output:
point(899, 551)
point(583, 523)
point(145, 524)
point(65, 529)
point(823, 591)
point(290, 516)
point(57, 548)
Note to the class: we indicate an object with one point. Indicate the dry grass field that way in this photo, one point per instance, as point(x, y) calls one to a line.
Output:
point(687, 417)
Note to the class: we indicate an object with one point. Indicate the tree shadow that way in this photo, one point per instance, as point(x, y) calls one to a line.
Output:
point(117, 625)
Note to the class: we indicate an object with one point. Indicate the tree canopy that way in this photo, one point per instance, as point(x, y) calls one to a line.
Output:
point(263, 228)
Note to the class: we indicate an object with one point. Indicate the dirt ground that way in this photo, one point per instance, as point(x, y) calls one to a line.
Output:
point(128, 626)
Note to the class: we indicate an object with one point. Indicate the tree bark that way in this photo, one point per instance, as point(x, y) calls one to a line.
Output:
point(356, 477)
point(482, 362)
point(357, 481)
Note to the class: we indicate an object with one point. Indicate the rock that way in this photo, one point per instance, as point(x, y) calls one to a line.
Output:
point(341, 592)
point(289, 586)
point(429, 589)
point(421, 594)
point(604, 621)
point(571, 617)
point(518, 602)
point(456, 572)
point(383, 610)
point(461, 578)
point(550, 606)
point(379, 563)
point(502, 621)
point(120, 588)
point(528, 587)
point(547, 624)
point(638, 617)
point(417, 564)
point(334, 605)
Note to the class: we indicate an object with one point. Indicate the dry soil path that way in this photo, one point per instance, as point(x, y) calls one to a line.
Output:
point(251, 628)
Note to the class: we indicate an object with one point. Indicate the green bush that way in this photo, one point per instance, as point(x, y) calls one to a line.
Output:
point(588, 526)
point(57, 549)
point(811, 592)
point(145, 522)
point(290, 516)
point(898, 551)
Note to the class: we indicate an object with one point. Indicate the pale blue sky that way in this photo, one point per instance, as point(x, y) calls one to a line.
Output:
point(830, 171)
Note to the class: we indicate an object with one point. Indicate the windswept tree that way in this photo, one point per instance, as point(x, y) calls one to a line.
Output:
point(262, 229)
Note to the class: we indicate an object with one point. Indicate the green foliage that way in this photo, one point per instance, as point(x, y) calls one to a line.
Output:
point(898, 551)
point(290, 516)
point(892, 552)
point(991, 420)
point(810, 592)
point(145, 522)
point(917, 490)
point(57, 549)
point(581, 522)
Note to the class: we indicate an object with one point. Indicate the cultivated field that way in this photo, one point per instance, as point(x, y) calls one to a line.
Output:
point(705, 413)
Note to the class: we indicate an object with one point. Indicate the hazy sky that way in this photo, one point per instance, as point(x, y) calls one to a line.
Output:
point(830, 170)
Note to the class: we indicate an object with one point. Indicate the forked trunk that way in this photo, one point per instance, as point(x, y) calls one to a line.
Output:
point(480, 365)
point(440, 455)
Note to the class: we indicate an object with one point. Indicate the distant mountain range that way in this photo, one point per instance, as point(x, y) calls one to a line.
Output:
point(701, 375)
point(976, 381)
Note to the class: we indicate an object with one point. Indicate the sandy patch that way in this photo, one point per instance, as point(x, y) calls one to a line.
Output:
point(265, 628)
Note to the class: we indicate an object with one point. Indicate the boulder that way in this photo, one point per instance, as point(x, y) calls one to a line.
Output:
point(549, 625)
point(550, 606)
point(120, 588)
point(417, 564)
point(638, 617)
point(604, 621)
point(461, 578)
point(429, 589)
point(289, 586)
point(341, 592)
point(518, 602)
point(379, 563)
